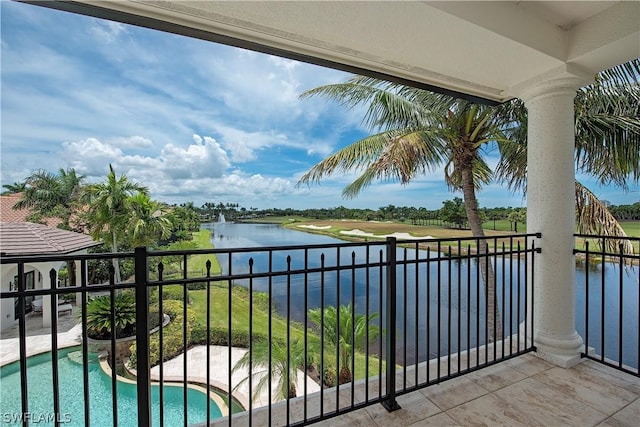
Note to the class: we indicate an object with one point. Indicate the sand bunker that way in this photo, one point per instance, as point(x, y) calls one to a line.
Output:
point(316, 227)
point(399, 236)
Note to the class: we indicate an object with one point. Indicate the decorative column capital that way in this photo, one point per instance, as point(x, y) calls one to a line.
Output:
point(566, 79)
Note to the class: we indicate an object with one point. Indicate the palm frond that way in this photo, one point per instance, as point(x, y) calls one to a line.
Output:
point(623, 74)
point(482, 174)
point(593, 217)
point(389, 105)
point(608, 126)
point(394, 155)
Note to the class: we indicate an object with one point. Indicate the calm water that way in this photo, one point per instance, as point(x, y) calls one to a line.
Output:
point(420, 295)
point(71, 391)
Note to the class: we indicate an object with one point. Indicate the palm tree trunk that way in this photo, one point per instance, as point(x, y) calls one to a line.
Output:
point(486, 268)
point(115, 261)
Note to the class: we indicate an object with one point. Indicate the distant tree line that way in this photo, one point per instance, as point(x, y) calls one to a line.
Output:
point(452, 214)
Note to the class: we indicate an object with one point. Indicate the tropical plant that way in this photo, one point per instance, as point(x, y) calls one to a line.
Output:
point(147, 221)
point(347, 331)
point(108, 210)
point(50, 195)
point(418, 131)
point(16, 187)
point(101, 320)
point(267, 361)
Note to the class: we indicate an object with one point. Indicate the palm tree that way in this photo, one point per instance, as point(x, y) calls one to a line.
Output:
point(147, 221)
point(50, 195)
point(348, 333)
point(108, 210)
point(267, 360)
point(16, 187)
point(418, 131)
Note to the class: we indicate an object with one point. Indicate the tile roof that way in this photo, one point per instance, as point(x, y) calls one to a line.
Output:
point(26, 238)
point(8, 214)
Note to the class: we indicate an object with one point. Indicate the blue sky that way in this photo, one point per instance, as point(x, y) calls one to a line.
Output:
point(191, 120)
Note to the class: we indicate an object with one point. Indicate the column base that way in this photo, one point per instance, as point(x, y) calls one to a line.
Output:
point(564, 352)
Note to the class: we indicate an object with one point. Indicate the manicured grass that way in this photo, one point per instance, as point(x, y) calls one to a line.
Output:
point(383, 228)
point(197, 263)
point(632, 228)
point(504, 225)
point(276, 219)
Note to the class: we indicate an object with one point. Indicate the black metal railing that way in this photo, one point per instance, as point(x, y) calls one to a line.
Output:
point(366, 321)
point(608, 282)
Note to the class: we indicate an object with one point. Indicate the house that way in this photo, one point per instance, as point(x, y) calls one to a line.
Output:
point(21, 238)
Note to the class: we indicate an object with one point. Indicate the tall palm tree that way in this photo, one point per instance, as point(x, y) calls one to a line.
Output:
point(108, 210)
point(418, 131)
point(52, 195)
point(348, 333)
point(266, 360)
point(147, 221)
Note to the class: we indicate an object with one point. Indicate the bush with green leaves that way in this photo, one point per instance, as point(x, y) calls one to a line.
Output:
point(173, 341)
point(220, 336)
point(173, 292)
point(124, 312)
point(99, 318)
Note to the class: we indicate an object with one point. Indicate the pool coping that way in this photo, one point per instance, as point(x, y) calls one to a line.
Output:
point(224, 409)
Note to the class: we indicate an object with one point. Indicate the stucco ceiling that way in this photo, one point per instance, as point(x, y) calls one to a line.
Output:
point(479, 48)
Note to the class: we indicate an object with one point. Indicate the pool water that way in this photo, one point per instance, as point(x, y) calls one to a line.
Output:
point(40, 389)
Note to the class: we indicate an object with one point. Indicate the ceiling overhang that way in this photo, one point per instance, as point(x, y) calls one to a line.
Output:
point(476, 49)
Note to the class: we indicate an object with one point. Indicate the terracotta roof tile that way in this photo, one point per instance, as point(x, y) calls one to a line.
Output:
point(25, 238)
point(8, 214)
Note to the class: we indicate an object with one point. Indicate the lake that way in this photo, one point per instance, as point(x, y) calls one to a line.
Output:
point(418, 297)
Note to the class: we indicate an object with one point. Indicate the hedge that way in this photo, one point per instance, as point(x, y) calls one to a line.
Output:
point(172, 334)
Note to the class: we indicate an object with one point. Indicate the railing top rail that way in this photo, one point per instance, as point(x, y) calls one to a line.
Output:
point(598, 236)
point(380, 243)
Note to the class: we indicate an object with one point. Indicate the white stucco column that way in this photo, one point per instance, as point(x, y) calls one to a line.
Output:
point(551, 211)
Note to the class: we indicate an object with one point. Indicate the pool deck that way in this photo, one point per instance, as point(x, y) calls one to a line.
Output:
point(39, 337)
point(219, 374)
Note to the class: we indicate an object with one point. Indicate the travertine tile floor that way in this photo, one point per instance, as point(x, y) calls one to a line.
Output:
point(525, 391)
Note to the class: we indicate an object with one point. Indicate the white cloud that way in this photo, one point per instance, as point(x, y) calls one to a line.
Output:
point(133, 142)
point(90, 156)
point(107, 31)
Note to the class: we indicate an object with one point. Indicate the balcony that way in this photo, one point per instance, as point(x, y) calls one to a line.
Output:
point(437, 349)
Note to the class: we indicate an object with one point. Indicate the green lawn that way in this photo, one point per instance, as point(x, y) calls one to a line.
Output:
point(632, 228)
point(197, 263)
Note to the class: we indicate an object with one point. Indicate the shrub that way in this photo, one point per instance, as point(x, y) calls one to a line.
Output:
point(197, 286)
point(173, 342)
point(173, 292)
point(220, 336)
point(99, 324)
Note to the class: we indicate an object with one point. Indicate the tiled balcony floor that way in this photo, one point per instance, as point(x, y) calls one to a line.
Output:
point(525, 391)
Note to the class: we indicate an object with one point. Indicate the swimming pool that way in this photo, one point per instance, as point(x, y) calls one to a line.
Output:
point(40, 390)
